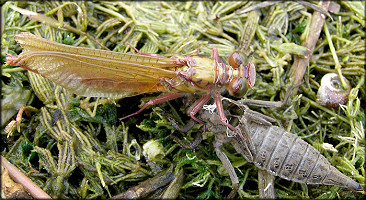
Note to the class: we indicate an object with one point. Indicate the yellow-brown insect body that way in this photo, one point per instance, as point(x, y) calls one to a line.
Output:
point(100, 73)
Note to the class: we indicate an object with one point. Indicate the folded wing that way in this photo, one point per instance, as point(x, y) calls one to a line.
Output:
point(94, 72)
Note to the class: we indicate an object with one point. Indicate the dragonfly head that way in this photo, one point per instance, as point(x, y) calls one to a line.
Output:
point(245, 79)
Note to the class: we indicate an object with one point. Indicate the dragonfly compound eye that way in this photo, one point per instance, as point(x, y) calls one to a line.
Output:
point(235, 60)
point(238, 87)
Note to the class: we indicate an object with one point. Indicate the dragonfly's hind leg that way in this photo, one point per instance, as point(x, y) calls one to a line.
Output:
point(198, 105)
point(157, 100)
point(141, 53)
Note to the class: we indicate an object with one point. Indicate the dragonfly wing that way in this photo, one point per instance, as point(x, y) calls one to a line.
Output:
point(93, 72)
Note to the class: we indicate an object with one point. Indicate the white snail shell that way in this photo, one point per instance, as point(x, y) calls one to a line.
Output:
point(331, 92)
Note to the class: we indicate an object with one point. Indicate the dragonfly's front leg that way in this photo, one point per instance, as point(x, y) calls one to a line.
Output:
point(222, 116)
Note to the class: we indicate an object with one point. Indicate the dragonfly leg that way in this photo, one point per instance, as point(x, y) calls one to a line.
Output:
point(139, 52)
point(157, 100)
point(20, 114)
point(183, 61)
point(187, 77)
point(199, 104)
point(215, 55)
point(222, 116)
point(220, 77)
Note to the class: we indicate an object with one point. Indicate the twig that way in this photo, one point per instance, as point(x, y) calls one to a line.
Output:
point(26, 182)
point(300, 64)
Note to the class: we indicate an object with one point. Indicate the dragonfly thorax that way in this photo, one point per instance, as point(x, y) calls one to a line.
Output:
point(202, 74)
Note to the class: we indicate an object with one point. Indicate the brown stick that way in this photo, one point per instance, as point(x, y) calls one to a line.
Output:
point(300, 64)
point(27, 183)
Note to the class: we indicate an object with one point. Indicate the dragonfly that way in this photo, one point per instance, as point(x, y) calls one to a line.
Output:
point(101, 73)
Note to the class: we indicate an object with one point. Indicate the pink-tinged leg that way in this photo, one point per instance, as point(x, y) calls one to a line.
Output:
point(215, 55)
point(157, 100)
point(20, 116)
point(199, 104)
point(186, 75)
point(139, 52)
point(220, 110)
point(183, 61)
point(216, 58)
